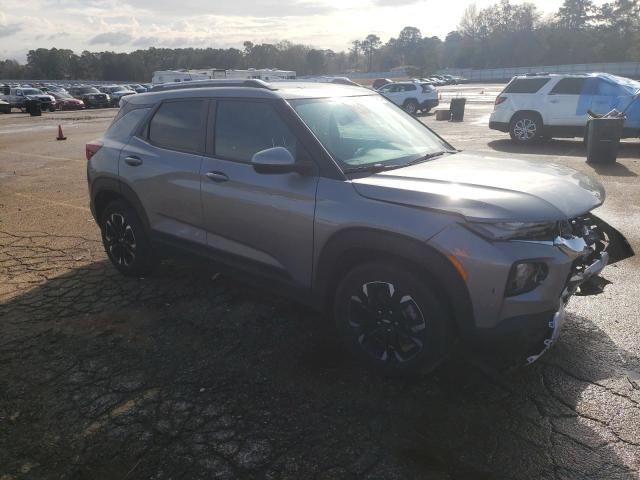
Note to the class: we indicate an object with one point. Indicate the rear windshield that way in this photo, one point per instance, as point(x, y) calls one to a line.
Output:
point(526, 85)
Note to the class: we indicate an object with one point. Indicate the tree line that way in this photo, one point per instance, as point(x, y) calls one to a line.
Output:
point(502, 35)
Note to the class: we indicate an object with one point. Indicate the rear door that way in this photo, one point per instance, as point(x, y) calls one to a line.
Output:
point(262, 222)
point(162, 166)
point(394, 92)
point(563, 105)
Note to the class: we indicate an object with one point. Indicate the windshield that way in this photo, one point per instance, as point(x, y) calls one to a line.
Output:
point(367, 130)
point(31, 91)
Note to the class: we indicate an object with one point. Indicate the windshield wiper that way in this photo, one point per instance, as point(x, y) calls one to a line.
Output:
point(371, 168)
point(379, 167)
point(429, 156)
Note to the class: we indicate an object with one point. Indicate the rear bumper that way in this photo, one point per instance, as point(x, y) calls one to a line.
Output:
point(96, 102)
point(500, 126)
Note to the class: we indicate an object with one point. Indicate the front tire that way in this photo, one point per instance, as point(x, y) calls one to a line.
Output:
point(125, 240)
point(390, 319)
point(526, 128)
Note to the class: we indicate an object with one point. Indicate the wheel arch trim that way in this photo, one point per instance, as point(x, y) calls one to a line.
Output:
point(105, 185)
point(333, 261)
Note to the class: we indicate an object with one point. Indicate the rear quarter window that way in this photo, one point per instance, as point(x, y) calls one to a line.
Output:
point(125, 125)
point(526, 85)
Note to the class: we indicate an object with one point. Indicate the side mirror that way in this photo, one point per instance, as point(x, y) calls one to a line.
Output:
point(277, 160)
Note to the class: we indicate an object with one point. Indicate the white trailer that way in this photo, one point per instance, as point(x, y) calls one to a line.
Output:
point(170, 76)
point(265, 74)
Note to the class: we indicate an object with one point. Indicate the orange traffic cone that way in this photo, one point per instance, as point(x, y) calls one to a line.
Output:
point(60, 135)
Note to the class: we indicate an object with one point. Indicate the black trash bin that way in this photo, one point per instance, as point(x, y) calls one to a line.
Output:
point(457, 109)
point(603, 138)
point(33, 108)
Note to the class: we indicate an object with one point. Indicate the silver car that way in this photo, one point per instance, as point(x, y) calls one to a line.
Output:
point(337, 197)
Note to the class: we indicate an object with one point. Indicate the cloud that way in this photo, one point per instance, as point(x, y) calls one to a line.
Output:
point(9, 29)
point(395, 3)
point(145, 41)
point(248, 8)
point(111, 38)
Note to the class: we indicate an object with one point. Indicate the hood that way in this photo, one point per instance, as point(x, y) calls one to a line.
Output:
point(487, 188)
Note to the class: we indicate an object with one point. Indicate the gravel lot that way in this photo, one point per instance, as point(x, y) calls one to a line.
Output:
point(186, 374)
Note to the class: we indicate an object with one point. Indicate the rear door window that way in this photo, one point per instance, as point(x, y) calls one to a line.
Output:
point(569, 86)
point(526, 85)
point(178, 125)
point(243, 128)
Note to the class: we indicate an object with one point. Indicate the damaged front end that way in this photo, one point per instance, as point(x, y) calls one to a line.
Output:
point(592, 244)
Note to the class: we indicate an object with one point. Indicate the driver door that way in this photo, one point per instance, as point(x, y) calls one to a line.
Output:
point(260, 222)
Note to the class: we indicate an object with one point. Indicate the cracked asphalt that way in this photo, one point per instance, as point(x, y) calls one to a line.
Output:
point(187, 374)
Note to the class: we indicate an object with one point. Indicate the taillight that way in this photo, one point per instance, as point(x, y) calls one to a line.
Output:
point(500, 99)
point(92, 148)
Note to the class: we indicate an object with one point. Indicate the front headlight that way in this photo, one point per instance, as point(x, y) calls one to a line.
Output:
point(515, 230)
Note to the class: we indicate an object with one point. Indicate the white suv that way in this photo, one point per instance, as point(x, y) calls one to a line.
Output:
point(534, 107)
point(411, 96)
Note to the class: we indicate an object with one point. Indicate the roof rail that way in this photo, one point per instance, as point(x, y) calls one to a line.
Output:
point(222, 82)
point(536, 74)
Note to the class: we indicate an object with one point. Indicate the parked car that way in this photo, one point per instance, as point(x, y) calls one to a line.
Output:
point(64, 101)
point(536, 107)
point(451, 80)
point(411, 96)
point(5, 107)
point(91, 96)
point(337, 197)
point(443, 79)
point(328, 79)
point(116, 92)
point(380, 82)
point(17, 97)
point(136, 88)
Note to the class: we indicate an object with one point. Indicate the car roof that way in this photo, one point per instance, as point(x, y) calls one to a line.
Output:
point(287, 90)
point(565, 75)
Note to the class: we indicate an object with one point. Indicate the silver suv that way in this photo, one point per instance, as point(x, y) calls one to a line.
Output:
point(342, 200)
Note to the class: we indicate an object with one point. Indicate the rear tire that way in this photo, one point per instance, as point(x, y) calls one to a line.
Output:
point(391, 319)
point(526, 128)
point(125, 240)
point(411, 107)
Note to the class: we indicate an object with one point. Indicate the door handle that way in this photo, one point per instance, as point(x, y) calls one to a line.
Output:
point(133, 161)
point(554, 101)
point(217, 176)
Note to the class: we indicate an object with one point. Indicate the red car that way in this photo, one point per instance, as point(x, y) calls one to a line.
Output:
point(64, 101)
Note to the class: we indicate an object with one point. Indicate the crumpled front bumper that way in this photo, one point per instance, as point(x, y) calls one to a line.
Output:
point(574, 282)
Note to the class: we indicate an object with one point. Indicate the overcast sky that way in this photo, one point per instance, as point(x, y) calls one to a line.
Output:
point(125, 25)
